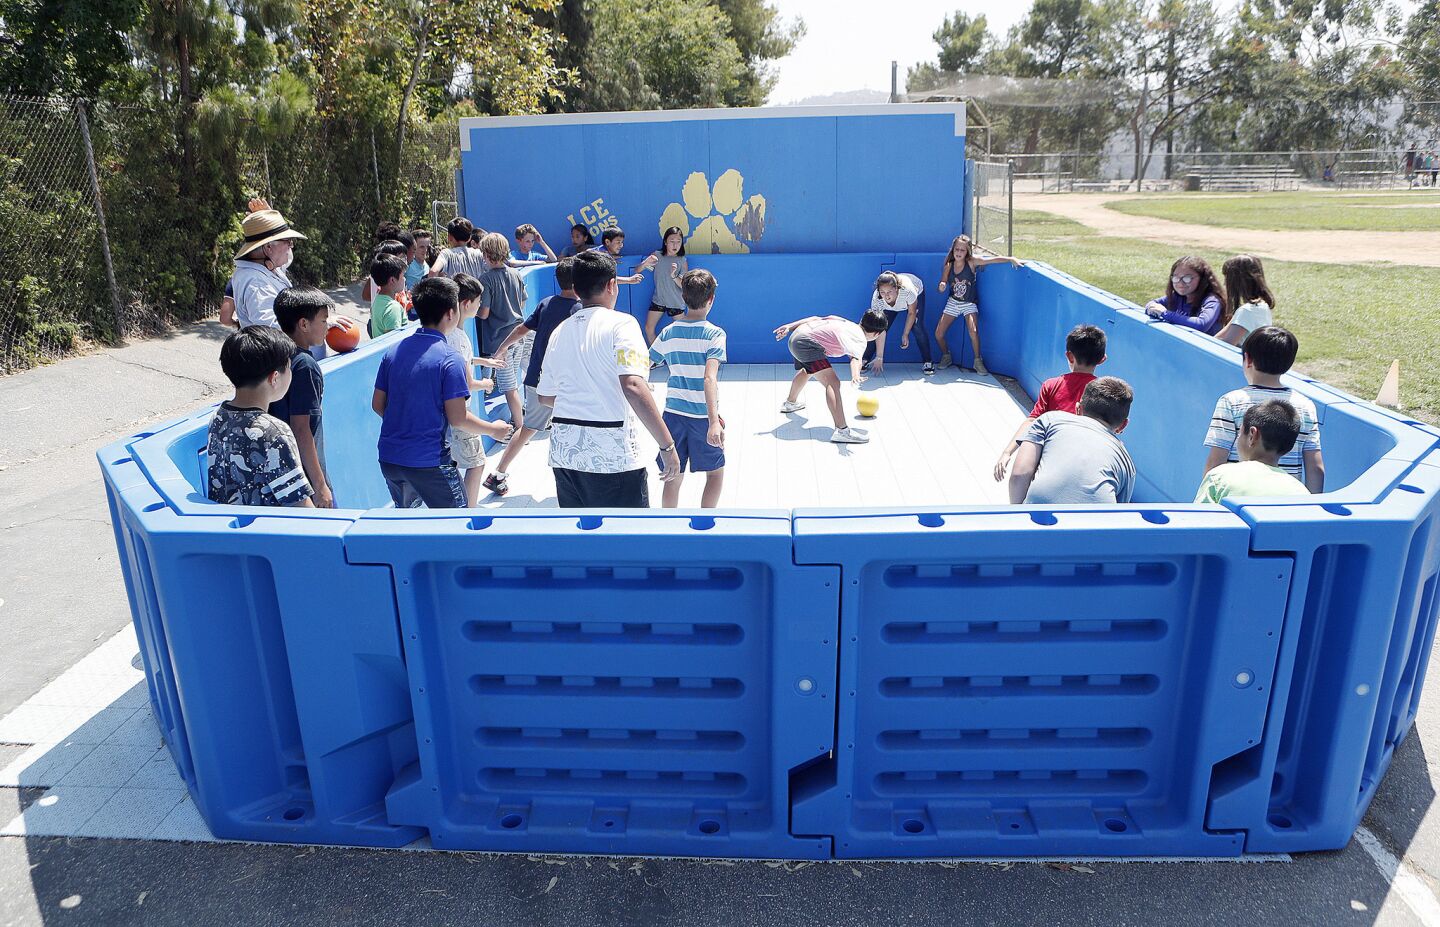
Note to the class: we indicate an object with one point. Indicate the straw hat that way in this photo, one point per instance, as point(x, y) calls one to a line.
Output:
point(262, 227)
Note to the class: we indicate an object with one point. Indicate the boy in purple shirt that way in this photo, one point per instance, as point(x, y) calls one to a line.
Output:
point(420, 390)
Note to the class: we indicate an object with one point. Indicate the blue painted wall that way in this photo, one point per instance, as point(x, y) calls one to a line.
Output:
point(842, 179)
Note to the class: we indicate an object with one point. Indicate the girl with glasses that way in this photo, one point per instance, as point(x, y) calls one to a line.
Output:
point(1193, 297)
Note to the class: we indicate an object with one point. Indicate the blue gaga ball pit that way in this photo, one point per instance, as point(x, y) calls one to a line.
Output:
point(1159, 678)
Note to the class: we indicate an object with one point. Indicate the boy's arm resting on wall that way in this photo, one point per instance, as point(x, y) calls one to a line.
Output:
point(310, 460)
point(1314, 471)
point(1022, 472)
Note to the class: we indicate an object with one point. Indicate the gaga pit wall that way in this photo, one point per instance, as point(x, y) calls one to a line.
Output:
point(1158, 678)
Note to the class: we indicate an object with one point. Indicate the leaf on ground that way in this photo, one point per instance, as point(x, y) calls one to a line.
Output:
point(554, 880)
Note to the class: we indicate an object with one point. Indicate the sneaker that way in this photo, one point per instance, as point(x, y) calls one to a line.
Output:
point(788, 406)
point(980, 367)
point(928, 370)
point(945, 360)
point(848, 436)
point(496, 484)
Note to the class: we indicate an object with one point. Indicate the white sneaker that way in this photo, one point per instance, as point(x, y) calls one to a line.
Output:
point(848, 436)
point(788, 406)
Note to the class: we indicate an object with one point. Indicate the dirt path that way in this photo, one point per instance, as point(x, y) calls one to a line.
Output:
point(1420, 249)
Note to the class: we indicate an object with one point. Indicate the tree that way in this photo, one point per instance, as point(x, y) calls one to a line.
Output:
point(661, 54)
point(63, 46)
point(963, 42)
point(761, 37)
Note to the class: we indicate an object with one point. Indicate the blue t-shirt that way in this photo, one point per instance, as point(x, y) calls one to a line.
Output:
point(531, 256)
point(415, 271)
point(685, 347)
point(307, 387)
point(543, 321)
point(418, 375)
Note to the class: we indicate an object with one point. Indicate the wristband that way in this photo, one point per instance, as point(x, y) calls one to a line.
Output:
point(666, 450)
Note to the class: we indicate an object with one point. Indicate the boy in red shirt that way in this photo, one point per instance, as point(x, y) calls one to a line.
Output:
point(1085, 350)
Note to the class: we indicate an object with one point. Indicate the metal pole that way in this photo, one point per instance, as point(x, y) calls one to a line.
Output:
point(115, 304)
point(1010, 206)
point(894, 82)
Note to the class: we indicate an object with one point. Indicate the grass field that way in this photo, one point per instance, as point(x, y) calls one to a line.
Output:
point(1352, 321)
point(1401, 211)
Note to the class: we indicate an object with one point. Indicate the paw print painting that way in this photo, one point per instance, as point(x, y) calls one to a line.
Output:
point(716, 219)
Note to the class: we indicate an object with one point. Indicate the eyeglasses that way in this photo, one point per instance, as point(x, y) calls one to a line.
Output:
point(1186, 279)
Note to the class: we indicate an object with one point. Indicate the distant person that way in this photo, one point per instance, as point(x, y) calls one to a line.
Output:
point(595, 377)
point(1084, 351)
point(580, 240)
point(958, 275)
point(1268, 431)
point(386, 312)
point(459, 257)
point(524, 254)
point(1193, 297)
point(253, 457)
point(693, 348)
point(1250, 303)
point(502, 307)
point(670, 265)
point(543, 321)
point(421, 391)
point(468, 449)
point(304, 316)
point(896, 293)
point(1067, 459)
point(813, 341)
point(420, 259)
point(612, 242)
point(390, 239)
point(1268, 354)
point(260, 266)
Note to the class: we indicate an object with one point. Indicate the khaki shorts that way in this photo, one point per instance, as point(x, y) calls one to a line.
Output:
point(466, 449)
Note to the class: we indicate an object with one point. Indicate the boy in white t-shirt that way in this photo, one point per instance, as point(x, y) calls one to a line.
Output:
point(813, 341)
point(468, 450)
point(595, 377)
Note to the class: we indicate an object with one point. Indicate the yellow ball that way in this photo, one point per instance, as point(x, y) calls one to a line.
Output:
point(868, 405)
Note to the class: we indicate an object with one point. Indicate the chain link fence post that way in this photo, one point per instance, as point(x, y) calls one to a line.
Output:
point(116, 304)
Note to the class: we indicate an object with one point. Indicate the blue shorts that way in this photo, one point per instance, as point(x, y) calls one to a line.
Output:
point(689, 434)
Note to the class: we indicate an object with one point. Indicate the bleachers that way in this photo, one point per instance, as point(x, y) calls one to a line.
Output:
point(1247, 178)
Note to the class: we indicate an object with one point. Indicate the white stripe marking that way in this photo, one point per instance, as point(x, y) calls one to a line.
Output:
point(1409, 886)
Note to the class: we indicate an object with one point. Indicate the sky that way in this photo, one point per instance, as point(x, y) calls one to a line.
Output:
point(849, 44)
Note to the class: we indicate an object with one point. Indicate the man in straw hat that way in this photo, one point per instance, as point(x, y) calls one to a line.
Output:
point(260, 264)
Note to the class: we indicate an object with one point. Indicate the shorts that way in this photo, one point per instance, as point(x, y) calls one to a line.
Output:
point(434, 487)
point(955, 308)
point(689, 434)
point(537, 413)
point(809, 355)
point(507, 377)
point(672, 313)
point(579, 489)
point(466, 449)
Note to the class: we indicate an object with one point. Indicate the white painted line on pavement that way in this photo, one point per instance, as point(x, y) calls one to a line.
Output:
point(1411, 888)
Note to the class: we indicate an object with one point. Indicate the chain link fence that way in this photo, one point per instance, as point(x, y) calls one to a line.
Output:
point(994, 186)
point(117, 221)
point(1224, 171)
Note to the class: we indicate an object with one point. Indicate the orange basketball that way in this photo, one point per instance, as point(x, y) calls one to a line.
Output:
point(343, 336)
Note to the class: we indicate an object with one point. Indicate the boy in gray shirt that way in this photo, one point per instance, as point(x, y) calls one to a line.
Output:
point(502, 301)
point(1067, 459)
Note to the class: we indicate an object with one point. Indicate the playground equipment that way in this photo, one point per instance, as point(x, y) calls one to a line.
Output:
point(1158, 678)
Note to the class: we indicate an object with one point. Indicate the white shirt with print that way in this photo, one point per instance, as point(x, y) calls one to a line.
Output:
point(587, 355)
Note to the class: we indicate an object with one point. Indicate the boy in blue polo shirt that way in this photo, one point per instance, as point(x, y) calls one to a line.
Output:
point(421, 390)
point(694, 348)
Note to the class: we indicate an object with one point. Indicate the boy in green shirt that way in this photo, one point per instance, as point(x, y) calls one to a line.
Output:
point(386, 313)
point(1267, 433)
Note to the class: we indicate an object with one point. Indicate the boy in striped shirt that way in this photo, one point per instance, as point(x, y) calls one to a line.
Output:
point(694, 348)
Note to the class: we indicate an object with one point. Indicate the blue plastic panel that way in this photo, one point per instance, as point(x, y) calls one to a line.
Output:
point(828, 175)
point(624, 684)
point(1007, 690)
